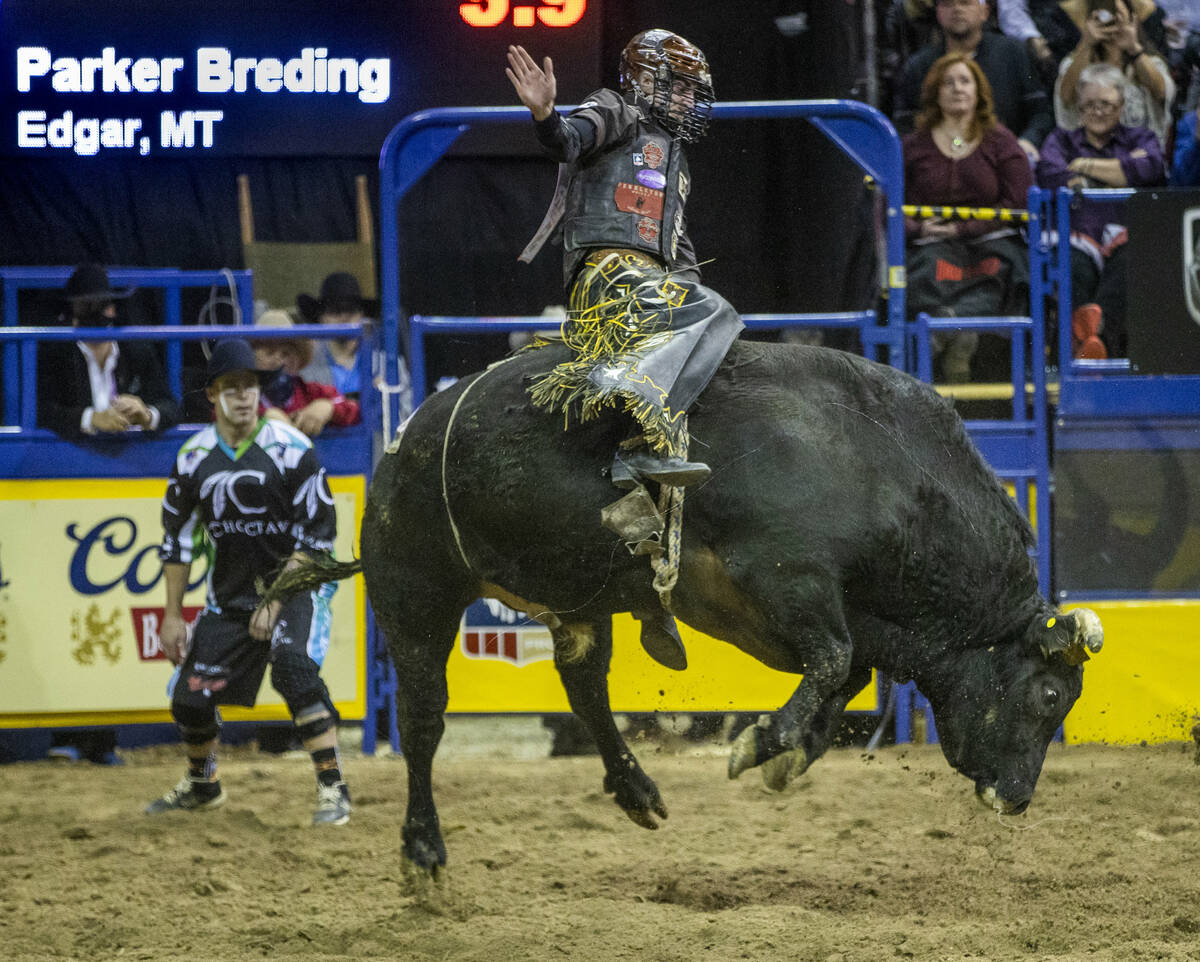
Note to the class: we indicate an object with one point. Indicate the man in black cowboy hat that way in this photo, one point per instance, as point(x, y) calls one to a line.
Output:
point(335, 360)
point(248, 493)
point(95, 385)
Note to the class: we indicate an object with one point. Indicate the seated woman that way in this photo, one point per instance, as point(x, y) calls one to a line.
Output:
point(1101, 153)
point(960, 155)
point(1112, 34)
point(286, 396)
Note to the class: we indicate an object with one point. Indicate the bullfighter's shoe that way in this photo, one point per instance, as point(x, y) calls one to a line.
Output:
point(333, 805)
point(631, 468)
point(661, 640)
point(189, 795)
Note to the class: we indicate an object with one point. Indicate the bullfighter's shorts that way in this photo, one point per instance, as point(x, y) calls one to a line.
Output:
point(225, 666)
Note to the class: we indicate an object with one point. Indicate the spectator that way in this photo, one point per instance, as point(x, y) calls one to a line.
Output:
point(1101, 153)
point(286, 396)
point(1185, 168)
point(255, 488)
point(336, 359)
point(1046, 30)
point(1111, 34)
point(961, 155)
point(97, 386)
point(1019, 100)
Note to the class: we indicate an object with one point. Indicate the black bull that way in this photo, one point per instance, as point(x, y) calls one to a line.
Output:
point(849, 524)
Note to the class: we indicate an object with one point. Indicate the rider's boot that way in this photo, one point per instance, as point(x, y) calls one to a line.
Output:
point(631, 468)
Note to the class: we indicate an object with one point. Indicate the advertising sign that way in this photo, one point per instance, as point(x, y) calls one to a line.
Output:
point(81, 601)
point(504, 662)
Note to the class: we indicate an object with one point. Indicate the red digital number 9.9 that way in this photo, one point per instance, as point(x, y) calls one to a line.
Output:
point(553, 13)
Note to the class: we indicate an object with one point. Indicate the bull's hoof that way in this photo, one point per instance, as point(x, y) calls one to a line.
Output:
point(422, 854)
point(635, 793)
point(747, 751)
point(778, 771)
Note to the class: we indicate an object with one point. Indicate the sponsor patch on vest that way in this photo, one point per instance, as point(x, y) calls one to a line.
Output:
point(685, 184)
point(636, 199)
point(647, 229)
point(653, 154)
point(652, 178)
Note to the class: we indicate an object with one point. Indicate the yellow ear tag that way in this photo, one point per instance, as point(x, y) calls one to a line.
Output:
point(1051, 623)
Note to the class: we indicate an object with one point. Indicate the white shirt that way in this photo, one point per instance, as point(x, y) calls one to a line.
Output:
point(104, 386)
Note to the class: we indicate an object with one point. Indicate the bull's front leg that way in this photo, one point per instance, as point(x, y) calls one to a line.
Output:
point(787, 742)
point(586, 683)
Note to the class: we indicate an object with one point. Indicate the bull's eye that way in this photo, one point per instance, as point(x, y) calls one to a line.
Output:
point(1050, 698)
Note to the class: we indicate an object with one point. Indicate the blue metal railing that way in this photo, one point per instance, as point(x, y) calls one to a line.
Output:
point(21, 408)
point(861, 131)
point(170, 280)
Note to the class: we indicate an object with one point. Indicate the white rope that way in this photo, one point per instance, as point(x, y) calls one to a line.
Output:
point(666, 563)
point(445, 449)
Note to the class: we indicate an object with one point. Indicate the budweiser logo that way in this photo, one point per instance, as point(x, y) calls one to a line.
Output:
point(494, 631)
point(146, 625)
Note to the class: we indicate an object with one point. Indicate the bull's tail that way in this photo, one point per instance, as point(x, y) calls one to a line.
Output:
point(308, 576)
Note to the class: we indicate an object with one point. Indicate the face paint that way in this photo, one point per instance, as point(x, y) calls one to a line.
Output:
point(225, 398)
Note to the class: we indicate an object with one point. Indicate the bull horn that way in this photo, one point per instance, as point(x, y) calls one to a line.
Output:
point(1073, 636)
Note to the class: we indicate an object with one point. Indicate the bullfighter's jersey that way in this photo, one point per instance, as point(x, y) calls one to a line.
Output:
point(623, 183)
point(247, 509)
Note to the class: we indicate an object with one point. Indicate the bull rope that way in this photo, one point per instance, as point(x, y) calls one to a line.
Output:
point(445, 449)
point(666, 563)
point(670, 504)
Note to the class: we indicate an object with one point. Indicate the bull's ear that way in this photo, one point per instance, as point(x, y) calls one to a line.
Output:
point(1071, 635)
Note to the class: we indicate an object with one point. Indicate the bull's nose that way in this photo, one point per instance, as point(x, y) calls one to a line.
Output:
point(988, 799)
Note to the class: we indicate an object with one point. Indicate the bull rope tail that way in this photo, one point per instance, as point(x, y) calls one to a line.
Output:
point(666, 563)
point(308, 576)
point(446, 448)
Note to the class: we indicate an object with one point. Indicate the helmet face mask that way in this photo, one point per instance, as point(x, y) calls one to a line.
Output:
point(682, 96)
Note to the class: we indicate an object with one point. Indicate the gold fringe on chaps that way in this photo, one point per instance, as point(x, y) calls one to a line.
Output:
point(620, 312)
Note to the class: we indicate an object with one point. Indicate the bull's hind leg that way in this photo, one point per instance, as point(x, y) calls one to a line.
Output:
point(420, 644)
point(418, 605)
point(586, 682)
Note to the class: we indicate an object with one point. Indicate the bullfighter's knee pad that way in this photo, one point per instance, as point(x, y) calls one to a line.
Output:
point(297, 678)
point(196, 725)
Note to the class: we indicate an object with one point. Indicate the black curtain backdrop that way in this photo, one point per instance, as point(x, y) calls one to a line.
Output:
point(782, 213)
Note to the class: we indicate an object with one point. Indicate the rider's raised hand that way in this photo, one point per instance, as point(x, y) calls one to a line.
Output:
point(535, 86)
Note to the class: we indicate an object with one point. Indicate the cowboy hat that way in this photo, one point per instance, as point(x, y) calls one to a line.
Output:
point(1079, 10)
point(277, 318)
point(340, 291)
point(231, 354)
point(89, 282)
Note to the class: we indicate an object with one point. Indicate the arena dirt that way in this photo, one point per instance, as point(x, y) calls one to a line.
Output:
point(868, 857)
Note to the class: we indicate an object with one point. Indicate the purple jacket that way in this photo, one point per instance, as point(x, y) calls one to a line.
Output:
point(1145, 170)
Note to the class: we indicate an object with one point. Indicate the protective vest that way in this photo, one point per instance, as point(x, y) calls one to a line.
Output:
point(631, 195)
point(628, 191)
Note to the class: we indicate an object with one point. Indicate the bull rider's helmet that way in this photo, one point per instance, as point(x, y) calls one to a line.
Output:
point(674, 63)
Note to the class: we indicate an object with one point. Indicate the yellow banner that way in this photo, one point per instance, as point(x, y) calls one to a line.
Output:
point(503, 663)
point(1144, 685)
point(81, 598)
